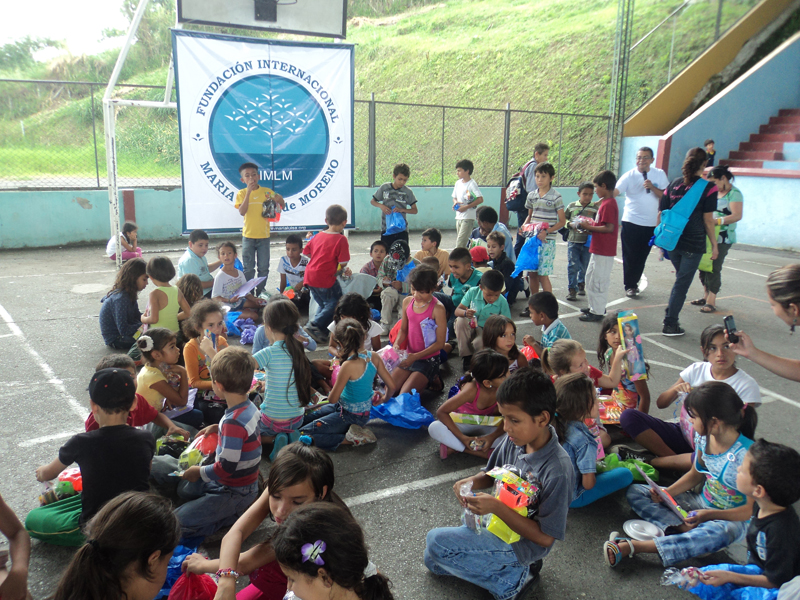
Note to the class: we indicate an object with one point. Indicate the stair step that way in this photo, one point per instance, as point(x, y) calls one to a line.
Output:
point(764, 146)
point(742, 164)
point(755, 155)
point(775, 137)
point(784, 119)
point(785, 112)
point(782, 128)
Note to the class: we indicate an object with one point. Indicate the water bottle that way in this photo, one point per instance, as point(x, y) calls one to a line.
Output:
point(684, 579)
point(469, 518)
point(290, 596)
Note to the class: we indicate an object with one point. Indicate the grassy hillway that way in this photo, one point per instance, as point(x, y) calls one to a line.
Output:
point(543, 55)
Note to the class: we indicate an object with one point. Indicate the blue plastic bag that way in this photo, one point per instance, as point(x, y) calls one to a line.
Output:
point(230, 320)
point(395, 223)
point(180, 554)
point(403, 411)
point(528, 257)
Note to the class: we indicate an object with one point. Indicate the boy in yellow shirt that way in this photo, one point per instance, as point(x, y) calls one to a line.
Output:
point(255, 232)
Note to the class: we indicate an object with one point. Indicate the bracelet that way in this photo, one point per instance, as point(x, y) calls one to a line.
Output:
point(227, 573)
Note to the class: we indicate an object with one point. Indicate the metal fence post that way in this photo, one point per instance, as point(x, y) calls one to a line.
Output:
point(443, 109)
point(560, 137)
point(506, 135)
point(672, 47)
point(719, 19)
point(371, 151)
point(94, 139)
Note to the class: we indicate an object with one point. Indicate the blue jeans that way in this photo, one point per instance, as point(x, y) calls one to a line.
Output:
point(685, 264)
point(327, 425)
point(578, 255)
point(255, 251)
point(607, 483)
point(711, 536)
point(193, 418)
point(326, 299)
point(483, 559)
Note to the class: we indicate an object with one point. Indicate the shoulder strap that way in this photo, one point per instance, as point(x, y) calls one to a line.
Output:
point(686, 205)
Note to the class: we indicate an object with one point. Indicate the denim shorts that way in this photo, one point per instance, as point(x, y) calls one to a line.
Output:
point(427, 366)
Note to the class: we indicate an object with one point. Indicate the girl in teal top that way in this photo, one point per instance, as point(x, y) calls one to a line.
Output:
point(342, 421)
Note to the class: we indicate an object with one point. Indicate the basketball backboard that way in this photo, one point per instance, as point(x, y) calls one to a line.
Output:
point(323, 18)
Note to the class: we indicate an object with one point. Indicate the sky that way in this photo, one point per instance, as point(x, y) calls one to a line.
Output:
point(79, 23)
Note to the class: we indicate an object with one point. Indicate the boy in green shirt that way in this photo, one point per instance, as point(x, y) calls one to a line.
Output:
point(477, 305)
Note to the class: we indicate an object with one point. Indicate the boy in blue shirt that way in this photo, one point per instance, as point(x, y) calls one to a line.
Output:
point(194, 261)
point(479, 303)
point(488, 222)
point(527, 402)
point(543, 308)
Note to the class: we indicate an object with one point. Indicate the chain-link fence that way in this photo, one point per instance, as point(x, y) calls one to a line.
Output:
point(51, 137)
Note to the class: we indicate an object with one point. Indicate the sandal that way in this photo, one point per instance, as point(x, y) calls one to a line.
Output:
point(708, 308)
point(613, 545)
point(699, 302)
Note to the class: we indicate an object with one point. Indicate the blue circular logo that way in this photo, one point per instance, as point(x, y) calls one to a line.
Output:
point(272, 122)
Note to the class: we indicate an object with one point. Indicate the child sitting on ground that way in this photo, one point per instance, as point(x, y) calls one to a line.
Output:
point(488, 222)
point(495, 244)
point(629, 394)
point(292, 267)
point(500, 334)
point(288, 382)
point(166, 306)
point(480, 258)
point(129, 543)
point(377, 252)
point(577, 402)
point(476, 396)
point(527, 402)
point(543, 309)
point(14, 581)
point(142, 413)
point(113, 459)
point(220, 493)
point(191, 287)
point(128, 237)
point(228, 281)
point(342, 421)
point(477, 305)
point(768, 476)
point(423, 324)
point(724, 429)
point(120, 318)
point(393, 278)
point(194, 260)
point(162, 381)
point(204, 331)
point(431, 238)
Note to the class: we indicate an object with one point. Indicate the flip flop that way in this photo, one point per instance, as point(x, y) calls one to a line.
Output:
point(699, 302)
point(613, 545)
point(708, 308)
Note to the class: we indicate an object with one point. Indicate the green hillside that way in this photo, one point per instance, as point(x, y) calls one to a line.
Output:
point(537, 55)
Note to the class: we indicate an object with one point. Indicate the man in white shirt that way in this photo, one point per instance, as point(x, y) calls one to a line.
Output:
point(643, 187)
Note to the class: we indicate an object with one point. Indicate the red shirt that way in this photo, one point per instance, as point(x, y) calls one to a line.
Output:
point(605, 244)
point(141, 415)
point(326, 250)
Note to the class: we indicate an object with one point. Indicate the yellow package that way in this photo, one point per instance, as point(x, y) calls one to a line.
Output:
point(503, 531)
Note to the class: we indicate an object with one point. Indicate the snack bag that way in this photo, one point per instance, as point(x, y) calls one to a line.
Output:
point(631, 338)
point(514, 492)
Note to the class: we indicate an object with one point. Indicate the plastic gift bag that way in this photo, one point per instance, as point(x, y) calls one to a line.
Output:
point(403, 411)
point(528, 257)
point(190, 586)
point(612, 461)
point(180, 554)
point(528, 352)
point(230, 319)
point(395, 223)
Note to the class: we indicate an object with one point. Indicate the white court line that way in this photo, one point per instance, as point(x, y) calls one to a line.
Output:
point(753, 262)
point(48, 438)
point(743, 271)
point(764, 391)
point(7, 335)
point(51, 274)
point(420, 484)
point(667, 365)
point(74, 405)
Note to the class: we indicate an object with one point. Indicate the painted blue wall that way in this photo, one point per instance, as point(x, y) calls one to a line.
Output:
point(738, 111)
point(629, 147)
point(770, 209)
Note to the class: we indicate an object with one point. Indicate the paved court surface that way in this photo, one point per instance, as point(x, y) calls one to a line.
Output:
point(398, 488)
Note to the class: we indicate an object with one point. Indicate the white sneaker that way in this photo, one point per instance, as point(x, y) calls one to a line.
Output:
point(358, 436)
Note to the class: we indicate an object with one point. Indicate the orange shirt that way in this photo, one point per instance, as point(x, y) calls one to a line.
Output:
point(196, 363)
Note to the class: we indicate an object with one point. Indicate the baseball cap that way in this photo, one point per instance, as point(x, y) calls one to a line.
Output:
point(479, 254)
point(112, 389)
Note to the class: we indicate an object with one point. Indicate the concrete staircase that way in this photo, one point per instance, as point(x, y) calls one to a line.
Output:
point(775, 146)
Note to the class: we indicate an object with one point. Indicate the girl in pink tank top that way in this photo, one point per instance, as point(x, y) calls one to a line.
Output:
point(477, 397)
point(424, 326)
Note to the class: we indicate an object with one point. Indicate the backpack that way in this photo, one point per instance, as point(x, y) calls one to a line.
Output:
point(674, 220)
point(516, 192)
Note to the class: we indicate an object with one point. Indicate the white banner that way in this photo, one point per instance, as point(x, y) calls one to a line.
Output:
point(285, 106)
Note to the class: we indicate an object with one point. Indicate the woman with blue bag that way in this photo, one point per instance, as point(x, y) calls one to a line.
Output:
point(686, 219)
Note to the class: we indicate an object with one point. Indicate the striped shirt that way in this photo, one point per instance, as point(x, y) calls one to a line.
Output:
point(545, 208)
point(239, 448)
point(555, 331)
point(281, 402)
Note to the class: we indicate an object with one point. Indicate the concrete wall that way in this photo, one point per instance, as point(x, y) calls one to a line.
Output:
point(734, 114)
point(630, 145)
point(770, 206)
point(665, 108)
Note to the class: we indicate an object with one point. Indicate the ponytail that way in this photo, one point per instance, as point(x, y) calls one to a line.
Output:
point(376, 587)
point(695, 160)
point(749, 421)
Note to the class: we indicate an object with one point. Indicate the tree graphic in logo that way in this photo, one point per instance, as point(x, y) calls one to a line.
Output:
point(275, 123)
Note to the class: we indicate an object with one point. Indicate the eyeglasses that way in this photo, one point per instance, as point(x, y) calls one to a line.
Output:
point(643, 158)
